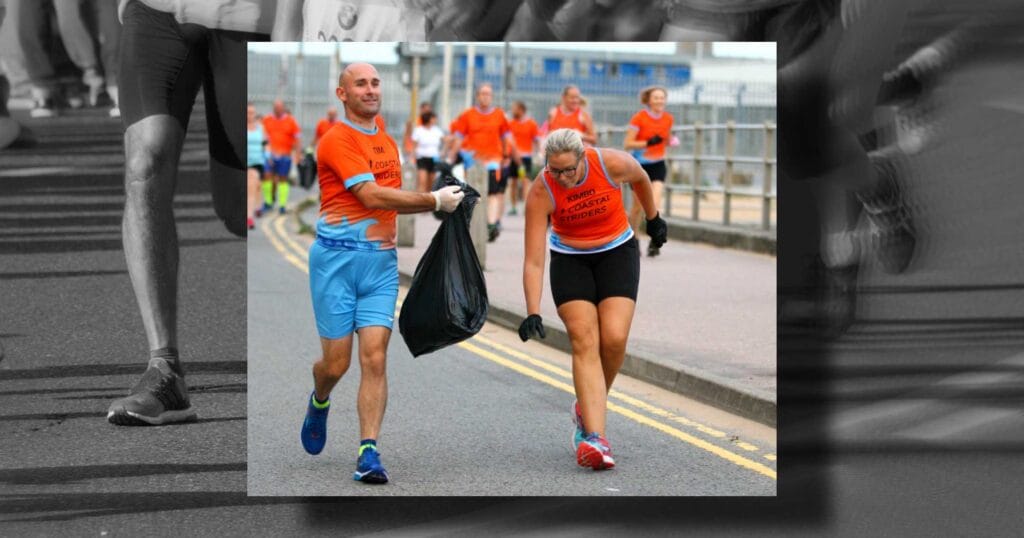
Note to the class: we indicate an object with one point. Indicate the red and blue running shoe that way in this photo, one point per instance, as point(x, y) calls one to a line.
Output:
point(595, 453)
point(580, 434)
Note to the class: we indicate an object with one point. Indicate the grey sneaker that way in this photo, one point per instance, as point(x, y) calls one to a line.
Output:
point(893, 235)
point(159, 397)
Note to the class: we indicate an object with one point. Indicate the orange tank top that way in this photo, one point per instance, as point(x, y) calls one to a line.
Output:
point(571, 120)
point(590, 216)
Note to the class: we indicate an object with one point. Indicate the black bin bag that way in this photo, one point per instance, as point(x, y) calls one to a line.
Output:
point(447, 302)
point(307, 171)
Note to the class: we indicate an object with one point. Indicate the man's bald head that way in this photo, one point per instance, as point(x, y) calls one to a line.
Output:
point(278, 107)
point(355, 70)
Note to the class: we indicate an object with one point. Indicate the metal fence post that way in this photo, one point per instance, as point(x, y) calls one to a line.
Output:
point(476, 176)
point(407, 222)
point(698, 148)
point(766, 208)
point(730, 145)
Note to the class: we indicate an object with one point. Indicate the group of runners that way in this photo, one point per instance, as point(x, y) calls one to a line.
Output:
point(595, 260)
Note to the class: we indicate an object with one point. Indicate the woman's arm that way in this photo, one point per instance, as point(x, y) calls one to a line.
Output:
point(631, 142)
point(590, 136)
point(538, 207)
point(623, 168)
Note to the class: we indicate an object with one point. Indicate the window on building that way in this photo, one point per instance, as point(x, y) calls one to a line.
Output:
point(567, 69)
point(584, 69)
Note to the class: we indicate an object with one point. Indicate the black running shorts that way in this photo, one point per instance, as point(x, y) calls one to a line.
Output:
point(656, 171)
point(496, 181)
point(595, 277)
point(163, 64)
point(425, 163)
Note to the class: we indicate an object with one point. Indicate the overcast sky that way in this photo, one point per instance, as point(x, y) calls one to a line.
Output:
point(385, 52)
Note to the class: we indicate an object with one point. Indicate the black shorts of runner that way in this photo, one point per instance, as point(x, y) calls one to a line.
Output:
point(497, 180)
point(425, 163)
point(258, 168)
point(512, 172)
point(163, 64)
point(595, 277)
point(656, 171)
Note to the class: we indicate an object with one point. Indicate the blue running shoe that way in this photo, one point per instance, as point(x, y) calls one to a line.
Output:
point(369, 468)
point(595, 453)
point(314, 428)
point(579, 435)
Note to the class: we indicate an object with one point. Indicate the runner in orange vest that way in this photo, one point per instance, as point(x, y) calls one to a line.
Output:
point(595, 270)
point(570, 115)
point(647, 137)
point(283, 133)
point(483, 136)
point(525, 134)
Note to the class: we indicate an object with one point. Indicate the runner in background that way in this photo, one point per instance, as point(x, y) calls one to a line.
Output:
point(525, 134)
point(482, 136)
point(407, 143)
point(428, 139)
point(255, 140)
point(324, 124)
point(285, 145)
point(647, 137)
point(569, 114)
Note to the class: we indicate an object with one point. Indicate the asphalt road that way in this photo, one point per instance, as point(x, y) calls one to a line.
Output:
point(489, 417)
point(73, 339)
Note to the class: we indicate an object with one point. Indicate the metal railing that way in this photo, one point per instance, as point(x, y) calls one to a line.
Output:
point(756, 184)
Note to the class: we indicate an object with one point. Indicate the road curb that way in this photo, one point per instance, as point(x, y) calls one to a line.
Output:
point(701, 386)
point(751, 240)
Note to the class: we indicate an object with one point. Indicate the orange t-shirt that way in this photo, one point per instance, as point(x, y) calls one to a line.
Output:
point(482, 133)
point(646, 125)
point(349, 155)
point(282, 132)
point(571, 120)
point(323, 125)
point(590, 216)
point(524, 132)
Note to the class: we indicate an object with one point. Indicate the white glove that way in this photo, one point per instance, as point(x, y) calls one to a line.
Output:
point(447, 198)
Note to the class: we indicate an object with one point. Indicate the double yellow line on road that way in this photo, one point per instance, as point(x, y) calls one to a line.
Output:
point(297, 255)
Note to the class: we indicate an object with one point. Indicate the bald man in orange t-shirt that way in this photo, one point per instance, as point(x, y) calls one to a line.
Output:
point(353, 264)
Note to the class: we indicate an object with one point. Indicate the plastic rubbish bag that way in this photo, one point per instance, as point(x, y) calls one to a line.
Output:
point(307, 171)
point(447, 301)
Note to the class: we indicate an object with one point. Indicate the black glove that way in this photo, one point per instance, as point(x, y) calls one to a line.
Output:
point(656, 139)
point(658, 230)
point(531, 326)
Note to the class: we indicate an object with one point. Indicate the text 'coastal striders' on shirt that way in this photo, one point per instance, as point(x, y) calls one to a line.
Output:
point(589, 216)
point(348, 155)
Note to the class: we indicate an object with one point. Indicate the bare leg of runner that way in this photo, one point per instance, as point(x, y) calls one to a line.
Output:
point(581, 322)
point(152, 149)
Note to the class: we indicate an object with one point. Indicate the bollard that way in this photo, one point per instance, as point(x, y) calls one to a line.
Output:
point(477, 178)
point(769, 154)
point(730, 148)
point(698, 149)
point(406, 223)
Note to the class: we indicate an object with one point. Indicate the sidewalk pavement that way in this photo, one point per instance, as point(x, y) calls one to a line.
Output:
point(705, 322)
